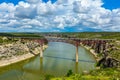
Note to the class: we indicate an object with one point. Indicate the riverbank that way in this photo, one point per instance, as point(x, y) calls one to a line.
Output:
point(92, 52)
point(109, 61)
point(23, 57)
point(99, 74)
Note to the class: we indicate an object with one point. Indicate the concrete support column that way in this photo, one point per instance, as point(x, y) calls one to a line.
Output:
point(41, 51)
point(77, 54)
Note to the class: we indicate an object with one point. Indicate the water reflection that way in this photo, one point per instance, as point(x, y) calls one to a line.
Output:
point(41, 64)
point(76, 67)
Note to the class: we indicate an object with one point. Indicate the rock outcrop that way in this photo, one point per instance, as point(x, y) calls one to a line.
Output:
point(108, 62)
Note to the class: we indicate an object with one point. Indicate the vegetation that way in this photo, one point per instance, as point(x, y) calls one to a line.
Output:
point(101, 74)
point(89, 35)
point(69, 73)
point(33, 35)
point(13, 37)
point(100, 35)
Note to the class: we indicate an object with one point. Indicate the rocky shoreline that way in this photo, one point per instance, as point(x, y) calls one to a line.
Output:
point(16, 52)
point(106, 62)
point(91, 51)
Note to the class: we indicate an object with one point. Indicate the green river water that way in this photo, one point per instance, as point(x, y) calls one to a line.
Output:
point(58, 58)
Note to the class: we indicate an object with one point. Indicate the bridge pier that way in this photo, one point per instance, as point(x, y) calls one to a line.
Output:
point(77, 55)
point(41, 52)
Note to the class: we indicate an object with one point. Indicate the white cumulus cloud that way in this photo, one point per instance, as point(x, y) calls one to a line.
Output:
point(36, 15)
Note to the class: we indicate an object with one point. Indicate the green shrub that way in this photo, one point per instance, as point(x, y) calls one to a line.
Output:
point(69, 73)
point(48, 77)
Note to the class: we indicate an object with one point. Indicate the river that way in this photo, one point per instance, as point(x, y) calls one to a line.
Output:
point(58, 58)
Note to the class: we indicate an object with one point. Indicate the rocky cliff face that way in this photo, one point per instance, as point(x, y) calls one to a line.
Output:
point(108, 62)
point(17, 48)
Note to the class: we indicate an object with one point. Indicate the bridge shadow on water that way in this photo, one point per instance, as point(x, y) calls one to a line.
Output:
point(69, 59)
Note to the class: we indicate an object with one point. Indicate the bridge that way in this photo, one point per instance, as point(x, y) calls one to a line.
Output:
point(99, 45)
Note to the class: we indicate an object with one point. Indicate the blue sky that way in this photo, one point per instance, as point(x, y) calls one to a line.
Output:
point(16, 1)
point(59, 15)
point(108, 4)
point(111, 4)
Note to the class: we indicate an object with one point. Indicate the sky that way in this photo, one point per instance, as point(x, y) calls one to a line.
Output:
point(59, 15)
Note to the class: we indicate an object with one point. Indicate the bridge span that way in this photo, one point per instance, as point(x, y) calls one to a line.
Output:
point(98, 45)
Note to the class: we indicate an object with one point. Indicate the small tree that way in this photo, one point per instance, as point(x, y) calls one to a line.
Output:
point(69, 73)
